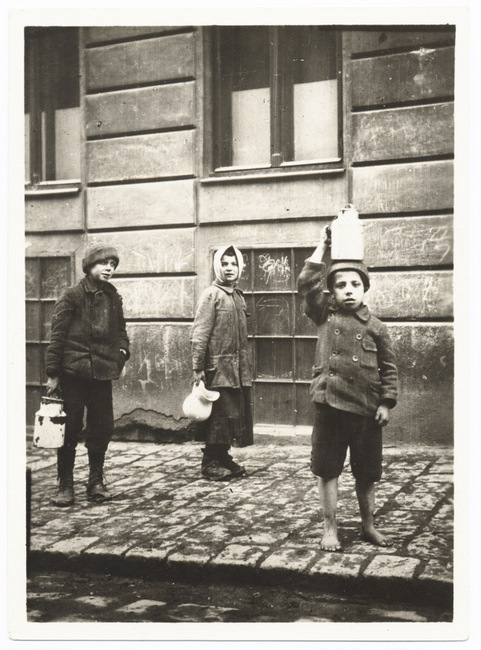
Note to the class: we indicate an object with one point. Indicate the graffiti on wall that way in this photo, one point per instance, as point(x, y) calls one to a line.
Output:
point(159, 259)
point(160, 359)
point(274, 270)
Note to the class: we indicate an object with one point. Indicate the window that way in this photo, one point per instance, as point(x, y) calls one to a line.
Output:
point(283, 339)
point(52, 105)
point(45, 279)
point(276, 96)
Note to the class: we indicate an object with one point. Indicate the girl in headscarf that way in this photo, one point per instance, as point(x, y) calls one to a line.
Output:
point(220, 358)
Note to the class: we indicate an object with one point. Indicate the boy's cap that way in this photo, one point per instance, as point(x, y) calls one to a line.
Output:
point(97, 252)
point(348, 265)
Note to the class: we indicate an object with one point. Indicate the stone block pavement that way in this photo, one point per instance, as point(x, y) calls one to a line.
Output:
point(166, 520)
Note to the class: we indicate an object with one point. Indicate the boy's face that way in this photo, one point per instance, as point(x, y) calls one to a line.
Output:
point(103, 270)
point(230, 268)
point(348, 290)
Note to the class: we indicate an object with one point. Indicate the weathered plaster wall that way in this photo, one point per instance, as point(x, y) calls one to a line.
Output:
point(140, 123)
point(402, 168)
point(143, 190)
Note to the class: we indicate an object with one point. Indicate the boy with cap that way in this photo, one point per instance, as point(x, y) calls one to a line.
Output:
point(88, 348)
point(354, 386)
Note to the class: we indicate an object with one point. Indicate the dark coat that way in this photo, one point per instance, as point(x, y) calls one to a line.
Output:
point(355, 368)
point(88, 332)
point(219, 337)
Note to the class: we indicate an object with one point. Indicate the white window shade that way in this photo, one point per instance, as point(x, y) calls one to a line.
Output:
point(67, 143)
point(316, 120)
point(251, 127)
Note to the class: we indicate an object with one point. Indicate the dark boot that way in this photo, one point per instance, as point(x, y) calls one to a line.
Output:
point(211, 467)
point(96, 489)
point(65, 465)
point(229, 463)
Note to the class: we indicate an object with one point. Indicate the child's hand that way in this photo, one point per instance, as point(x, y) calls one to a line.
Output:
point(322, 246)
point(326, 236)
point(52, 385)
point(199, 375)
point(382, 415)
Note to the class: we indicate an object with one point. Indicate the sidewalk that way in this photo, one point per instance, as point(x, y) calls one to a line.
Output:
point(166, 520)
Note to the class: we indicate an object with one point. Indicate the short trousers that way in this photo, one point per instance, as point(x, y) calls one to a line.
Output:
point(333, 432)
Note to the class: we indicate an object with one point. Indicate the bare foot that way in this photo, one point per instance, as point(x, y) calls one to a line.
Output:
point(330, 542)
point(375, 537)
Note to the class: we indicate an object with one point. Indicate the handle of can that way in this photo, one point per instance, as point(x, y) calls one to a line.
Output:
point(55, 396)
point(57, 400)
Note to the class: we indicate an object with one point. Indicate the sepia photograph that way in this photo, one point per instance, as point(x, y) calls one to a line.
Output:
point(240, 240)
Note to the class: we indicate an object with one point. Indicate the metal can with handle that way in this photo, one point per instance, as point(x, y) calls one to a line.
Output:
point(347, 237)
point(49, 428)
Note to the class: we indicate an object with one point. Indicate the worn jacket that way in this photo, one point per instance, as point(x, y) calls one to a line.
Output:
point(88, 332)
point(354, 368)
point(219, 337)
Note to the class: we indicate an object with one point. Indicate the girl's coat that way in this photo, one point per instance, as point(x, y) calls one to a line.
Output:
point(219, 338)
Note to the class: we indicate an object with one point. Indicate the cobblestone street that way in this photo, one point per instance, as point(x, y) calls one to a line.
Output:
point(167, 521)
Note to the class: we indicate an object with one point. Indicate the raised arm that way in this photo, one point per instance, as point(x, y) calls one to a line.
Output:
point(324, 243)
point(310, 282)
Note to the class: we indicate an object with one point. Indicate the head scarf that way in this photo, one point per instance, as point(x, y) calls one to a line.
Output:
point(218, 270)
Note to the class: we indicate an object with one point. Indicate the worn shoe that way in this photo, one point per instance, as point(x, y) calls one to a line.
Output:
point(98, 492)
point(65, 465)
point(213, 471)
point(65, 494)
point(96, 488)
point(229, 463)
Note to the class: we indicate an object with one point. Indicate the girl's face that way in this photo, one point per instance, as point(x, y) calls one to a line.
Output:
point(348, 290)
point(230, 268)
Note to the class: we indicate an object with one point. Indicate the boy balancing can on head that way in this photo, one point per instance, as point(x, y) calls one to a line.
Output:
point(353, 389)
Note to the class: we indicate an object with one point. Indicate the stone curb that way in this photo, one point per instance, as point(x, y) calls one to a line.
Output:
point(391, 588)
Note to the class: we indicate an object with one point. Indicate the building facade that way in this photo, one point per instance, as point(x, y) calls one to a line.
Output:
point(169, 142)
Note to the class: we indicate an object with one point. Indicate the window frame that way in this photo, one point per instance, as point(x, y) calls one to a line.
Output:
point(217, 102)
point(35, 181)
point(35, 387)
point(299, 380)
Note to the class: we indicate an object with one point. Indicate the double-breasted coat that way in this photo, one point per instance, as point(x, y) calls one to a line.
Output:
point(354, 368)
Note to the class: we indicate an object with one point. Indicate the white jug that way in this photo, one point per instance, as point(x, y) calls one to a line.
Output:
point(198, 405)
point(347, 237)
point(49, 429)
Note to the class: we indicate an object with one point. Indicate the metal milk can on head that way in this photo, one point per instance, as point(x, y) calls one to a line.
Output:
point(49, 429)
point(347, 237)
